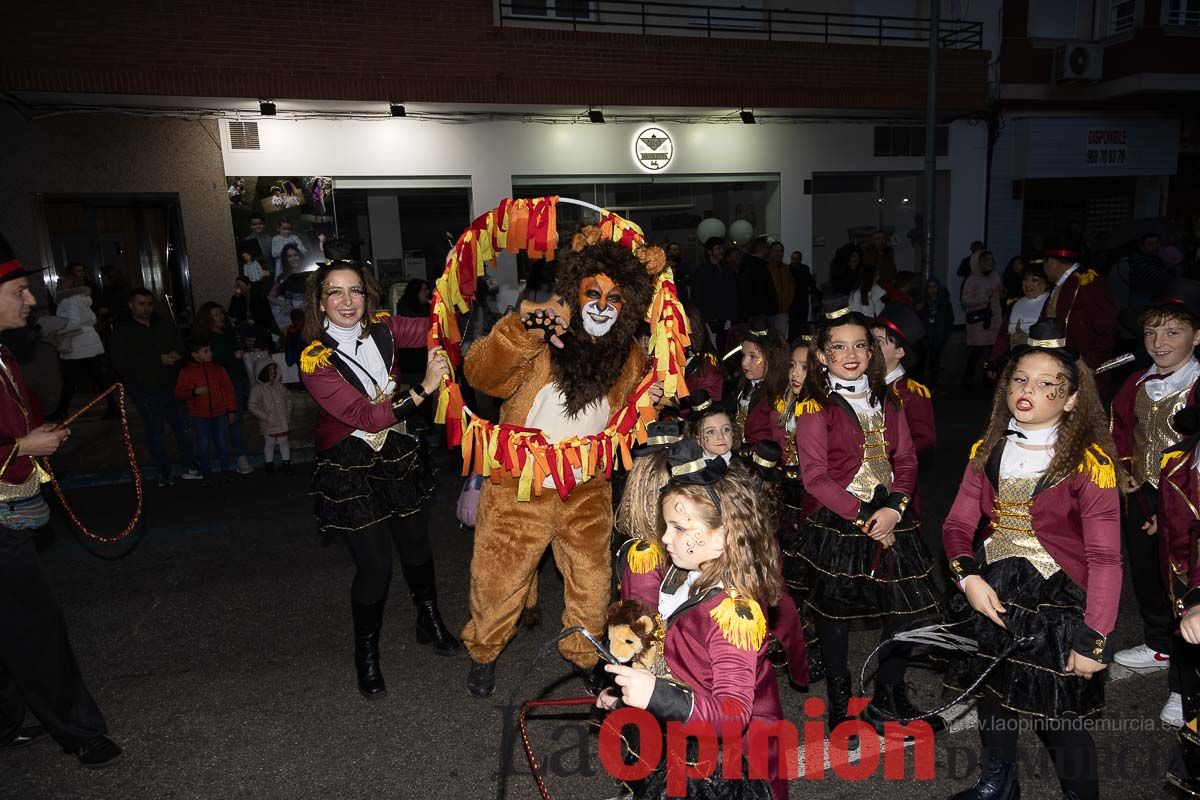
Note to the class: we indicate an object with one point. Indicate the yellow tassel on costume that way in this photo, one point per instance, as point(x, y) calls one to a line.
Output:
point(1169, 457)
point(443, 403)
point(1099, 467)
point(741, 621)
point(975, 449)
point(808, 406)
point(526, 482)
point(314, 356)
point(643, 556)
point(379, 316)
point(918, 388)
point(1086, 277)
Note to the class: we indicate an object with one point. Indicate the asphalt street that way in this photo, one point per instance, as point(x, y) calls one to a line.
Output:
point(220, 652)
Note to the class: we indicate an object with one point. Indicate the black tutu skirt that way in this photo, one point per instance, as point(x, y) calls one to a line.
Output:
point(1033, 679)
point(354, 487)
point(845, 574)
point(713, 787)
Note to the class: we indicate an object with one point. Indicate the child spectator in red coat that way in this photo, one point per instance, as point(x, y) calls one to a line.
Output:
point(208, 392)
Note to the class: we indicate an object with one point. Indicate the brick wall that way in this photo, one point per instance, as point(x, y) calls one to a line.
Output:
point(446, 52)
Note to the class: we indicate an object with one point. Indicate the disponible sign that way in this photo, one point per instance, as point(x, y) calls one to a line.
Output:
point(1106, 146)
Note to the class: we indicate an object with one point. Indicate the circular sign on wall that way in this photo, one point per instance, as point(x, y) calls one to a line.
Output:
point(653, 149)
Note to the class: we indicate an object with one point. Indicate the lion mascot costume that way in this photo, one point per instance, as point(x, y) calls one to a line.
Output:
point(564, 368)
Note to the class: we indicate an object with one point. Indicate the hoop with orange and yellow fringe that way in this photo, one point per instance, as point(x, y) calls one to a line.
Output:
point(499, 452)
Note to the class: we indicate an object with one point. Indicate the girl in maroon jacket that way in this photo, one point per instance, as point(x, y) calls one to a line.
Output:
point(764, 377)
point(720, 572)
point(1047, 578)
point(863, 551)
point(1178, 532)
point(372, 479)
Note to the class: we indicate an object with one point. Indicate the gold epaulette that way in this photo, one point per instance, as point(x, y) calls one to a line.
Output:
point(741, 621)
point(712, 359)
point(918, 388)
point(975, 449)
point(1170, 456)
point(1086, 277)
point(314, 356)
point(1099, 468)
point(809, 406)
point(379, 316)
point(643, 556)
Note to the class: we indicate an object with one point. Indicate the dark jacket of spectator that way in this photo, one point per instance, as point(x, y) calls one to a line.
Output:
point(136, 352)
point(715, 293)
point(756, 290)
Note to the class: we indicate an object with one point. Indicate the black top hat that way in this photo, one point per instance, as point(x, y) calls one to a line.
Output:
point(1180, 291)
point(903, 322)
point(688, 464)
point(659, 435)
point(760, 328)
point(10, 268)
point(804, 337)
point(1047, 334)
point(834, 308)
point(764, 460)
point(699, 401)
point(1065, 247)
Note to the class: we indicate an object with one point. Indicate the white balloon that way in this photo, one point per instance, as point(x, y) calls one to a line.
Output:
point(709, 228)
point(741, 232)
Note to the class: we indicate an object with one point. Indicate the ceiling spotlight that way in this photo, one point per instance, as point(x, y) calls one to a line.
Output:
point(266, 108)
point(397, 109)
point(747, 117)
point(595, 115)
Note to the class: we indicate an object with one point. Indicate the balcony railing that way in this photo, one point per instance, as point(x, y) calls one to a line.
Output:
point(737, 22)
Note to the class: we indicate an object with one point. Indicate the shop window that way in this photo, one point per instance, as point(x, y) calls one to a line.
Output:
point(908, 141)
point(550, 9)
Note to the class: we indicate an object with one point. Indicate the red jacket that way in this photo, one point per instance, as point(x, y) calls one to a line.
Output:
point(1179, 527)
point(918, 412)
point(703, 372)
point(219, 399)
point(829, 443)
point(1124, 415)
point(343, 403)
point(762, 422)
point(19, 414)
point(1077, 520)
point(1087, 309)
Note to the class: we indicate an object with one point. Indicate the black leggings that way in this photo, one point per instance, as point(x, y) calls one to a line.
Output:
point(835, 648)
point(74, 369)
point(371, 549)
point(1071, 746)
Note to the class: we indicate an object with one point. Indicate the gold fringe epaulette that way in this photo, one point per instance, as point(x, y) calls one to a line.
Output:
point(1099, 468)
point(741, 621)
point(379, 316)
point(643, 556)
point(918, 388)
point(1086, 277)
point(1170, 456)
point(712, 359)
point(809, 406)
point(314, 356)
point(975, 449)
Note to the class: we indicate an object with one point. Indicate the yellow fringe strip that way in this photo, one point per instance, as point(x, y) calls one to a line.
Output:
point(316, 355)
point(1086, 277)
point(643, 557)
point(1169, 457)
point(918, 388)
point(741, 622)
point(379, 316)
point(809, 406)
point(1100, 468)
point(975, 449)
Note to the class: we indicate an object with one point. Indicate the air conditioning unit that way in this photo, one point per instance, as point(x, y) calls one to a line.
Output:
point(1079, 61)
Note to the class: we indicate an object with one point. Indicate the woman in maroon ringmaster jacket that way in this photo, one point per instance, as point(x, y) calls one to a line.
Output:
point(1040, 595)
point(372, 479)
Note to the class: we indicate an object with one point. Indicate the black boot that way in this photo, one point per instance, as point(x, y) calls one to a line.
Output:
point(430, 627)
point(838, 689)
point(891, 704)
point(997, 781)
point(481, 679)
point(368, 619)
point(287, 468)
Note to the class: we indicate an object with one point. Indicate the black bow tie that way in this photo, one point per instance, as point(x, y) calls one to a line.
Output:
point(1018, 434)
point(841, 387)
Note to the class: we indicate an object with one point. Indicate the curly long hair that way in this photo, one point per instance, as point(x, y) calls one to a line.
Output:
point(1079, 429)
point(586, 366)
point(749, 563)
point(314, 317)
point(775, 379)
point(639, 514)
point(790, 398)
point(816, 385)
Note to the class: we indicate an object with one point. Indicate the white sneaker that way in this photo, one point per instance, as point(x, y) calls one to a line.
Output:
point(1142, 657)
point(192, 474)
point(1172, 712)
point(243, 466)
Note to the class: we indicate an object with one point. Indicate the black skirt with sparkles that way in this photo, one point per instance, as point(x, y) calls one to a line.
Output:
point(1033, 679)
point(846, 574)
point(354, 487)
